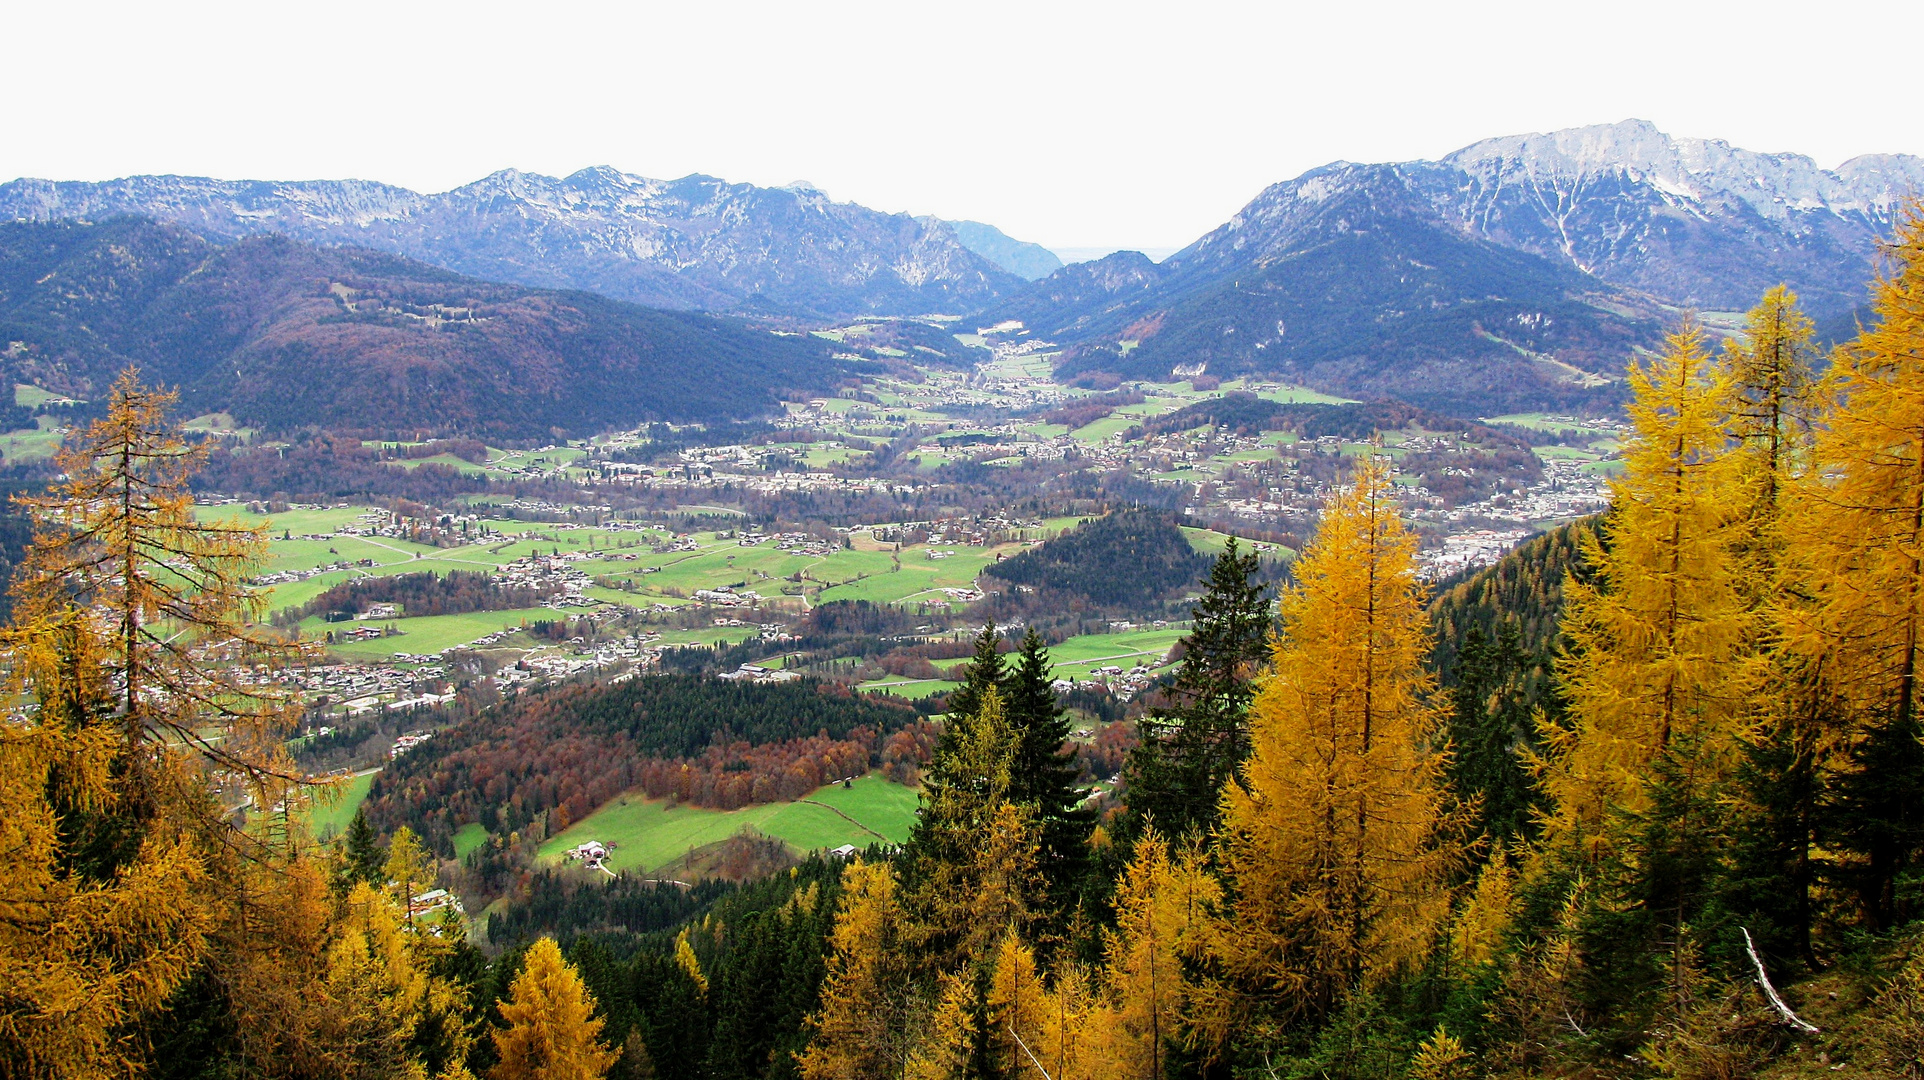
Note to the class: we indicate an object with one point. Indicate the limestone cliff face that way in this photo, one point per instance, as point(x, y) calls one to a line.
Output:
point(1696, 221)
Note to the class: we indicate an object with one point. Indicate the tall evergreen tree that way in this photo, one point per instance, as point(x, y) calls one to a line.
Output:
point(361, 855)
point(1043, 774)
point(987, 671)
point(1491, 730)
point(1192, 748)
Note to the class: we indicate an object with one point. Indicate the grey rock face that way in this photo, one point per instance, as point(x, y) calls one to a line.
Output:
point(697, 242)
point(1696, 222)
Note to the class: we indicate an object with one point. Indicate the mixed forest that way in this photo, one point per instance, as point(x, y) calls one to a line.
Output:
point(1641, 801)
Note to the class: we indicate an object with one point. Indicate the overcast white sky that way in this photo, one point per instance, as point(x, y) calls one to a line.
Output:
point(1077, 125)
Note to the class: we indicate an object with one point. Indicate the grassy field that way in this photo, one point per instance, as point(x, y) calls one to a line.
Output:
point(910, 688)
point(647, 835)
point(1075, 657)
point(956, 568)
point(1541, 422)
point(32, 444)
point(429, 634)
point(327, 821)
point(467, 838)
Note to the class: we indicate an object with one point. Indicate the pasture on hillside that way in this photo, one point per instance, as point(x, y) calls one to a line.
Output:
point(647, 835)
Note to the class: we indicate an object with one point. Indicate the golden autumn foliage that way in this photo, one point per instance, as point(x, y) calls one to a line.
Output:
point(116, 539)
point(1863, 506)
point(861, 1024)
point(1773, 396)
point(1120, 1021)
point(551, 1027)
point(1167, 905)
point(1339, 839)
point(118, 878)
point(126, 869)
point(1652, 642)
point(81, 958)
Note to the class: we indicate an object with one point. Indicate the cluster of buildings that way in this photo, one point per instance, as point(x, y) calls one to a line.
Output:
point(1113, 678)
point(408, 742)
point(1566, 490)
point(1461, 551)
point(756, 673)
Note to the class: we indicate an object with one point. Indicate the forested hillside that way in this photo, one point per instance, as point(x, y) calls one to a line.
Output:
point(573, 748)
point(1524, 590)
point(425, 593)
point(284, 335)
point(1129, 560)
point(1359, 290)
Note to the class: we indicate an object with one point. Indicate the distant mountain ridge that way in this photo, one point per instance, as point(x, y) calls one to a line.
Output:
point(285, 335)
point(1025, 260)
point(693, 243)
point(1518, 272)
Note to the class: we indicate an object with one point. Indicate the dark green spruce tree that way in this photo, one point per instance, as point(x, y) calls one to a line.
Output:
point(362, 856)
point(1043, 775)
point(1045, 771)
point(1194, 746)
point(987, 671)
point(1490, 727)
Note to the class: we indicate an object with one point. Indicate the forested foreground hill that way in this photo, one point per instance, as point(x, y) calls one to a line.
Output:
point(285, 335)
point(1129, 560)
point(568, 750)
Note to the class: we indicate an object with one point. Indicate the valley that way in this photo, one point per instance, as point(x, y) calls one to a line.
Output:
point(802, 630)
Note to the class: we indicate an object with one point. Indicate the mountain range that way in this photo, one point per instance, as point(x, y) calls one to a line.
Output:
point(1515, 272)
point(1518, 272)
point(282, 334)
point(694, 243)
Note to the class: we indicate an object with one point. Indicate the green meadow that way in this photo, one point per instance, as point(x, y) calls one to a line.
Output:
point(429, 634)
point(648, 835)
point(329, 819)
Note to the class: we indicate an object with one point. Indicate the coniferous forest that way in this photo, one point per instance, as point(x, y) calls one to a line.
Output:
point(1642, 800)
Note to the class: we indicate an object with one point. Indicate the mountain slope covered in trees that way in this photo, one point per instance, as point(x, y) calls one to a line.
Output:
point(283, 335)
point(1360, 292)
point(1127, 560)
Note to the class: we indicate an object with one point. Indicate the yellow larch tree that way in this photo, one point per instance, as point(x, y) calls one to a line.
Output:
point(1154, 997)
point(118, 876)
point(1653, 640)
point(1792, 741)
point(860, 1027)
point(1860, 524)
point(551, 1031)
point(1773, 393)
point(116, 538)
point(83, 956)
point(1339, 841)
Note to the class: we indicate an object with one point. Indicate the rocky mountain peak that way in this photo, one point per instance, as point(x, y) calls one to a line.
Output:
point(1689, 170)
